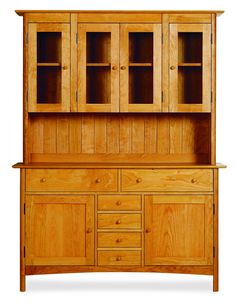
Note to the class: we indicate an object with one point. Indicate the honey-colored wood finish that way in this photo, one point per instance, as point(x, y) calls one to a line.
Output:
point(119, 165)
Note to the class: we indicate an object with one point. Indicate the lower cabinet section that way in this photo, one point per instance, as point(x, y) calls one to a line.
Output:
point(59, 230)
point(178, 230)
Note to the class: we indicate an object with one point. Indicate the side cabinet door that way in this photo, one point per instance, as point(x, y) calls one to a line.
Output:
point(98, 67)
point(190, 68)
point(140, 67)
point(59, 230)
point(48, 67)
point(178, 230)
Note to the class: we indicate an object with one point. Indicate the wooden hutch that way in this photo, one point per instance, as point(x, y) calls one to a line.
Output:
point(119, 170)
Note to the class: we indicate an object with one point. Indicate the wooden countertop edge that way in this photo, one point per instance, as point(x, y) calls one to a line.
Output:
point(218, 12)
point(115, 165)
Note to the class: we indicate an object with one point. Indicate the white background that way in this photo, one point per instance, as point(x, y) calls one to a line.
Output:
point(113, 286)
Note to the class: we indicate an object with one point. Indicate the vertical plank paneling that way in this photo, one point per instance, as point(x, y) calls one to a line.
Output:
point(137, 134)
point(113, 129)
point(88, 133)
point(62, 135)
point(150, 135)
point(188, 135)
point(125, 134)
point(100, 133)
point(163, 135)
point(36, 126)
point(176, 127)
point(75, 134)
point(49, 135)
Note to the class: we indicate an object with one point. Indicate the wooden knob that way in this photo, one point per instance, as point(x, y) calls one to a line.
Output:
point(118, 221)
point(118, 258)
point(172, 67)
point(118, 203)
point(98, 180)
point(193, 180)
point(138, 180)
point(89, 230)
point(64, 67)
point(118, 240)
point(114, 67)
point(148, 230)
point(42, 179)
point(123, 68)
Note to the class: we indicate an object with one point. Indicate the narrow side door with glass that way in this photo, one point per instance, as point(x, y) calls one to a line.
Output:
point(190, 68)
point(98, 67)
point(140, 67)
point(49, 67)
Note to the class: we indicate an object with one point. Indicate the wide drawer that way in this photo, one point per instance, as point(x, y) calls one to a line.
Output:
point(119, 221)
point(167, 180)
point(119, 202)
point(119, 258)
point(71, 180)
point(119, 239)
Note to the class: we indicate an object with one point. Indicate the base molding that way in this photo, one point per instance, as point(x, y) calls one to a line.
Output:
point(178, 269)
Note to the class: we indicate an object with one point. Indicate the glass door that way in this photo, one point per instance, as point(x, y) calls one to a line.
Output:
point(190, 68)
point(140, 68)
point(98, 68)
point(49, 67)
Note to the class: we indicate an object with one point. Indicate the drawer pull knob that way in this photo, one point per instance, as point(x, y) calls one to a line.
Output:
point(148, 230)
point(98, 180)
point(118, 203)
point(114, 67)
point(118, 258)
point(172, 67)
point(89, 230)
point(123, 68)
point(193, 180)
point(118, 221)
point(138, 180)
point(118, 240)
point(42, 179)
point(64, 67)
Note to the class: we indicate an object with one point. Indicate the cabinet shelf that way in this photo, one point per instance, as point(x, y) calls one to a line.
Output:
point(98, 64)
point(140, 64)
point(49, 64)
point(190, 64)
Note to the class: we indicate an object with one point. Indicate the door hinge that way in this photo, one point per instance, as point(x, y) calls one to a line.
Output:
point(76, 38)
point(211, 96)
point(214, 252)
point(26, 38)
point(26, 97)
point(211, 38)
point(162, 96)
point(162, 38)
point(24, 208)
point(24, 251)
point(214, 209)
point(76, 96)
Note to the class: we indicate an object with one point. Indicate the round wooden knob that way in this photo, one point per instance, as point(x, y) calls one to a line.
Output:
point(148, 230)
point(118, 221)
point(114, 67)
point(138, 180)
point(64, 67)
point(123, 68)
point(89, 230)
point(42, 179)
point(98, 180)
point(118, 203)
point(118, 240)
point(118, 258)
point(172, 67)
point(193, 180)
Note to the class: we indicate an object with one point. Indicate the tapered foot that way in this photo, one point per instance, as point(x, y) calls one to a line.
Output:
point(215, 282)
point(22, 283)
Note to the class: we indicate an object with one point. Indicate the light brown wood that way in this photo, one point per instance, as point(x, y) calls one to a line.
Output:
point(48, 17)
point(119, 258)
point(166, 180)
point(119, 202)
point(71, 180)
point(119, 221)
point(216, 235)
point(189, 18)
point(60, 230)
point(22, 231)
point(119, 239)
point(73, 56)
point(178, 230)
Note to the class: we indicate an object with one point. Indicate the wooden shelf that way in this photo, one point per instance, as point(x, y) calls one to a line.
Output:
point(98, 64)
point(140, 64)
point(49, 64)
point(190, 64)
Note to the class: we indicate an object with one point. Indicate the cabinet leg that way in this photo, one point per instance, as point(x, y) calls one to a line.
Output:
point(22, 283)
point(215, 281)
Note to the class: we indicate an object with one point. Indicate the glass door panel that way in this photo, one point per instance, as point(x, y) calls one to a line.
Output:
point(190, 84)
point(98, 74)
point(140, 64)
point(49, 67)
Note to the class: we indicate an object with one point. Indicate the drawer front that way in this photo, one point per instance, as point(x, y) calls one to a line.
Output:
point(119, 239)
point(119, 221)
point(71, 180)
point(119, 202)
point(167, 180)
point(119, 258)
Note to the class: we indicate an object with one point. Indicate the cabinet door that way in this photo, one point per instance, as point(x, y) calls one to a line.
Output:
point(178, 230)
point(98, 67)
point(140, 68)
point(190, 68)
point(48, 67)
point(59, 230)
